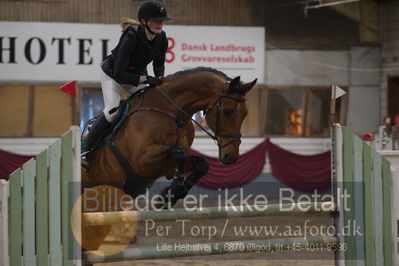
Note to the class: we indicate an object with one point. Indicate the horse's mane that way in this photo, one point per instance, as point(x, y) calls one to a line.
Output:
point(196, 70)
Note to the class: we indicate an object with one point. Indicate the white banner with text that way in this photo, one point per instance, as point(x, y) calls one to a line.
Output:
point(60, 52)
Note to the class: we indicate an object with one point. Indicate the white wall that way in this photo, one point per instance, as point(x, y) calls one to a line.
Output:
point(306, 68)
point(364, 111)
point(28, 146)
point(357, 68)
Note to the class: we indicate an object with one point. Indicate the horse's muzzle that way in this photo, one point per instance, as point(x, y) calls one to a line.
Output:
point(227, 158)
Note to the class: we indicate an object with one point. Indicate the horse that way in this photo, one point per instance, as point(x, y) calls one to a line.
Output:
point(158, 133)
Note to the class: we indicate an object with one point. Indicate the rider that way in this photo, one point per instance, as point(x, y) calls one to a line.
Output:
point(141, 42)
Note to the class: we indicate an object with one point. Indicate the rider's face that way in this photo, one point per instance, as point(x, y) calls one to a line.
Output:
point(155, 25)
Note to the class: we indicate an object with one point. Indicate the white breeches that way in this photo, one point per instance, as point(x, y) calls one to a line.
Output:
point(112, 94)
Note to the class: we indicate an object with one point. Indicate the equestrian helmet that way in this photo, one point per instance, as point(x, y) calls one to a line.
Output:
point(152, 10)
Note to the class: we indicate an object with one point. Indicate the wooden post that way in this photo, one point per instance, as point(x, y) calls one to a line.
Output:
point(15, 229)
point(28, 210)
point(55, 204)
point(42, 209)
point(333, 105)
point(4, 260)
point(75, 196)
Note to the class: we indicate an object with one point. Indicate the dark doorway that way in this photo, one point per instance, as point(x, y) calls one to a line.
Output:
point(393, 97)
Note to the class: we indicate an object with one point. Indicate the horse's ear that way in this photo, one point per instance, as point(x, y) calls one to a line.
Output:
point(244, 88)
point(235, 83)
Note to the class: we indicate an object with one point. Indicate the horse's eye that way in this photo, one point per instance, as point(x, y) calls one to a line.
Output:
point(227, 112)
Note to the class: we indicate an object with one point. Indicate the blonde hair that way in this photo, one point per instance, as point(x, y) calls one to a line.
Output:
point(126, 22)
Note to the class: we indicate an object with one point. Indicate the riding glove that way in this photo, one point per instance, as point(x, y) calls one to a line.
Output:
point(153, 81)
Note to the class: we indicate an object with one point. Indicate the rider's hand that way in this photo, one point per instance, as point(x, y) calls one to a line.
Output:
point(153, 81)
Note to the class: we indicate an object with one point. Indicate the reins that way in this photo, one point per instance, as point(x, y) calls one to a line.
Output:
point(216, 137)
point(185, 113)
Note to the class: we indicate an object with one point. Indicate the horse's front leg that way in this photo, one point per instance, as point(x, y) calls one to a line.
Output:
point(180, 186)
point(199, 167)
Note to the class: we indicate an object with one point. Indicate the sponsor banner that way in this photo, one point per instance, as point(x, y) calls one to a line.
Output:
point(57, 52)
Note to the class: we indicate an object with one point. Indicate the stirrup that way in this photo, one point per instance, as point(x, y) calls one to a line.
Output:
point(84, 160)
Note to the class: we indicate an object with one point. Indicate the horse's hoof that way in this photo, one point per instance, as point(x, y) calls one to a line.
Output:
point(163, 193)
point(177, 152)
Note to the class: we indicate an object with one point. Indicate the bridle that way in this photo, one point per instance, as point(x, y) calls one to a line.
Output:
point(217, 134)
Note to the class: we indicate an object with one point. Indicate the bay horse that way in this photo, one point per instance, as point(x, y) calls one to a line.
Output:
point(157, 136)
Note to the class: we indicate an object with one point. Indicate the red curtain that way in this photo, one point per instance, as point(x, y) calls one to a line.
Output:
point(247, 168)
point(301, 172)
point(11, 161)
point(304, 173)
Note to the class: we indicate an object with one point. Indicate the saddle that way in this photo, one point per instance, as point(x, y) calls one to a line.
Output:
point(121, 116)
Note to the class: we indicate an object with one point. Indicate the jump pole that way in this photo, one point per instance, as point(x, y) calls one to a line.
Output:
point(120, 217)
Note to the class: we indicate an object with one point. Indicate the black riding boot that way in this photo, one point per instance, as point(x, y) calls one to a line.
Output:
point(95, 133)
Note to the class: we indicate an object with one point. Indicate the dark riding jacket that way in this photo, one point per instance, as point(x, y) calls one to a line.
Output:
point(133, 53)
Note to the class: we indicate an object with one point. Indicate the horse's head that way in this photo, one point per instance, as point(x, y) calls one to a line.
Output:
point(225, 117)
